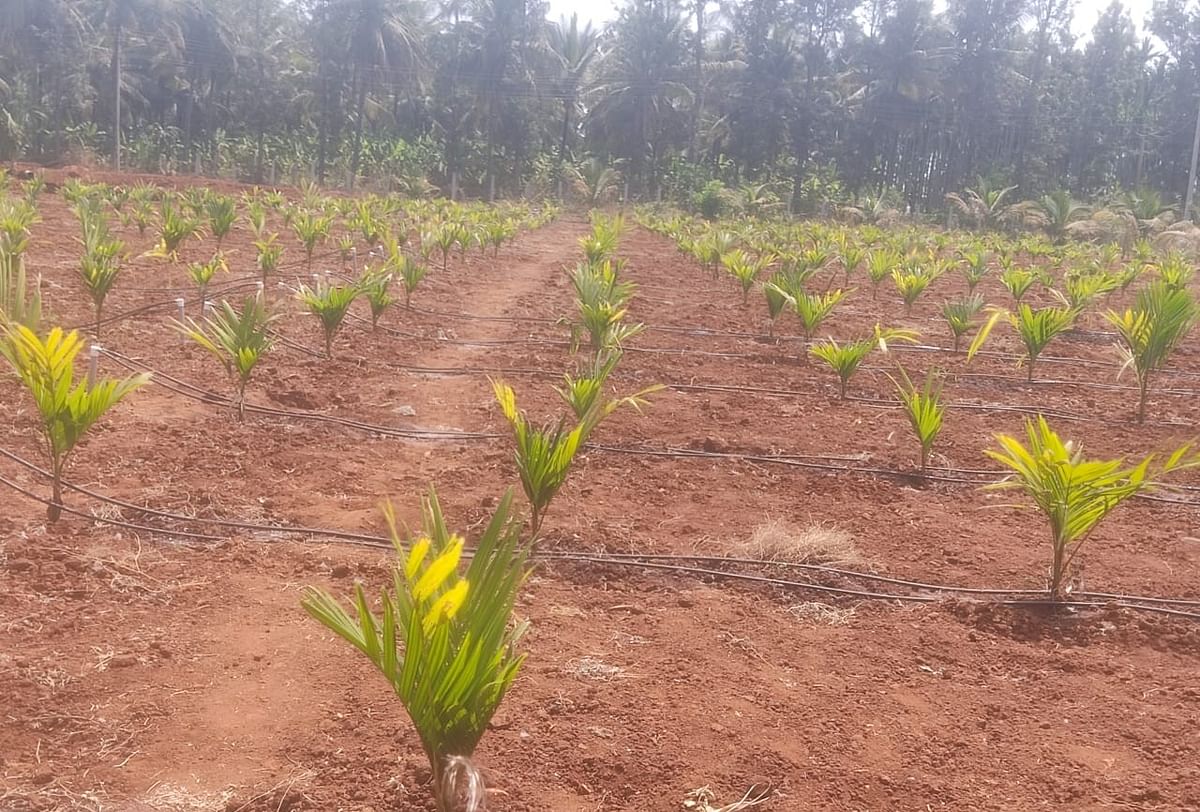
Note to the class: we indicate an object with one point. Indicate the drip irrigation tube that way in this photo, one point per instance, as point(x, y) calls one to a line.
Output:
point(813, 462)
point(659, 563)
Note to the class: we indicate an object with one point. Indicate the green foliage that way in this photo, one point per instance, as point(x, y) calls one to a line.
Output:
point(1150, 331)
point(845, 359)
point(311, 230)
point(222, 214)
point(745, 269)
point(174, 229)
point(881, 263)
point(20, 301)
point(910, 284)
point(444, 640)
point(100, 264)
point(238, 339)
point(270, 252)
point(924, 409)
point(329, 303)
point(376, 289)
point(202, 273)
point(1073, 493)
point(1017, 281)
point(960, 316)
point(544, 454)
point(974, 268)
point(813, 308)
point(67, 408)
point(1036, 328)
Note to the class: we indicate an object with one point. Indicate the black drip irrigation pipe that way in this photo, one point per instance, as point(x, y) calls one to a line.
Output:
point(682, 330)
point(660, 562)
point(810, 462)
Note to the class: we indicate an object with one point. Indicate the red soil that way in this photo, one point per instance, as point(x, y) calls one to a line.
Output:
point(139, 673)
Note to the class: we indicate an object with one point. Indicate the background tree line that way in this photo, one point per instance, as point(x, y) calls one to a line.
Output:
point(818, 97)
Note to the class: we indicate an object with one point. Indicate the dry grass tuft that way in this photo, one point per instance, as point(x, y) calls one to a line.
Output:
point(590, 668)
point(821, 614)
point(704, 800)
point(780, 540)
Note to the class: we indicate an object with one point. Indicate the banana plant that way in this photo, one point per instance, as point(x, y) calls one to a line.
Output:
point(1074, 493)
point(924, 410)
point(1150, 331)
point(222, 214)
point(960, 316)
point(67, 408)
point(445, 639)
point(238, 339)
point(1036, 328)
point(202, 274)
point(329, 303)
point(845, 359)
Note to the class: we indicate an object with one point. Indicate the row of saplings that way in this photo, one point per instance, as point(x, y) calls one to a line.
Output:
point(802, 280)
point(443, 633)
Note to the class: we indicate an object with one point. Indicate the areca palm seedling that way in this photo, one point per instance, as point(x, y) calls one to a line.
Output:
point(1017, 281)
point(174, 228)
point(881, 262)
point(852, 256)
point(544, 454)
point(238, 339)
point(845, 359)
point(202, 274)
point(745, 269)
point(1036, 328)
point(974, 268)
point(100, 264)
point(1175, 270)
point(924, 410)
point(910, 283)
point(960, 316)
point(256, 217)
point(329, 303)
point(312, 230)
point(1085, 287)
point(222, 214)
point(600, 244)
point(67, 408)
point(444, 238)
point(813, 308)
point(1150, 331)
point(270, 252)
point(20, 301)
point(445, 640)
point(585, 393)
point(377, 290)
point(1074, 493)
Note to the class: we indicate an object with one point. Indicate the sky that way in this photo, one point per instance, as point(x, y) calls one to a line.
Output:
point(1086, 11)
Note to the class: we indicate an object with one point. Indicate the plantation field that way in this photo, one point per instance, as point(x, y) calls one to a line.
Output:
point(141, 672)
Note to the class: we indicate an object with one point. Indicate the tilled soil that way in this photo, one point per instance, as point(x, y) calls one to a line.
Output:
point(142, 672)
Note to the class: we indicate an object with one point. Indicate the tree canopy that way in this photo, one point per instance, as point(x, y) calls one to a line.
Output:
point(490, 97)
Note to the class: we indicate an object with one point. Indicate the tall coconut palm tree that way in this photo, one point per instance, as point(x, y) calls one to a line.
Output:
point(641, 100)
point(118, 17)
point(574, 50)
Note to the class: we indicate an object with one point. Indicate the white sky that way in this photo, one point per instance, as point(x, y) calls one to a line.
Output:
point(1086, 11)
